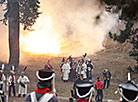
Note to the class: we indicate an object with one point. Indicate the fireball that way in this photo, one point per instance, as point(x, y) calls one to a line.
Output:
point(43, 40)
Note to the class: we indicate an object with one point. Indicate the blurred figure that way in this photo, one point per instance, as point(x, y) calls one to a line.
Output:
point(84, 56)
point(106, 78)
point(66, 70)
point(12, 81)
point(84, 70)
point(99, 88)
point(45, 91)
point(78, 68)
point(2, 78)
point(62, 63)
point(48, 65)
point(22, 81)
point(89, 69)
point(2, 84)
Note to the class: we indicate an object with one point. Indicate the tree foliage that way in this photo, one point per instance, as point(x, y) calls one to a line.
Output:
point(129, 14)
point(28, 12)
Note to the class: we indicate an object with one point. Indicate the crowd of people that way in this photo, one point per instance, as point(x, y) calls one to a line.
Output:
point(71, 68)
point(79, 71)
point(8, 84)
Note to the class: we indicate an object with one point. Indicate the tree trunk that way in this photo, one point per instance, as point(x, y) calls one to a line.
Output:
point(13, 24)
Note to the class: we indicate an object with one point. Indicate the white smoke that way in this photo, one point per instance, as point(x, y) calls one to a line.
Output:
point(75, 22)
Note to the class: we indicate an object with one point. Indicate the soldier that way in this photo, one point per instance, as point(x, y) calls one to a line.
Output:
point(22, 81)
point(43, 92)
point(84, 70)
point(2, 84)
point(128, 91)
point(66, 70)
point(99, 89)
point(82, 91)
point(106, 77)
point(89, 69)
point(2, 79)
point(12, 81)
point(48, 65)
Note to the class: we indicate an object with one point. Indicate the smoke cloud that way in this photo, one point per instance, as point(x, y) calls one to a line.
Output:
point(75, 23)
point(74, 26)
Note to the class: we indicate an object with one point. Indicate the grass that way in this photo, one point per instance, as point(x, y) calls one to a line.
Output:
point(116, 62)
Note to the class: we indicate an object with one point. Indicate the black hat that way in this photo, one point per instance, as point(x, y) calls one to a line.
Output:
point(128, 91)
point(84, 89)
point(45, 74)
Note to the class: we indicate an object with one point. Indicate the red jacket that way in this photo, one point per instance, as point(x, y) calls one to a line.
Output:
point(99, 85)
point(80, 100)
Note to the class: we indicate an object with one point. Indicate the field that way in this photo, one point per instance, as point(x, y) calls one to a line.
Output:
point(116, 62)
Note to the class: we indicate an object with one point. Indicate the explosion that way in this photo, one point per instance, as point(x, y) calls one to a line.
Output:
point(41, 40)
point(68, 27)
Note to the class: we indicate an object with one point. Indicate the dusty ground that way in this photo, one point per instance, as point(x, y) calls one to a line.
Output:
point(117, 62)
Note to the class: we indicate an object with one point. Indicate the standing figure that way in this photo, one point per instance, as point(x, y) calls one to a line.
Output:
point(48, 65)
point(66, 70)
point(84, 70)
point(89, 69)
point(78, 69)
point(22, 81)
point(62, 63)
point(2, 79)
point(45, 91)
point(106, 77)
point(2, 84)
point(12, 81)
point(99, 89)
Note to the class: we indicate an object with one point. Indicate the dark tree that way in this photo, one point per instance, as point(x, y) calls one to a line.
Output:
point(18, 11)
point(129, 13)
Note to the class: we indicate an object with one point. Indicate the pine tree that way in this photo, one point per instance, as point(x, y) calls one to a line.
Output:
point(18, 11)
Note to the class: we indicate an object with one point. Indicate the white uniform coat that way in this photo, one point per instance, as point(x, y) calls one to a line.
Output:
point(24, 80)
point(84, 70)
point(2, 81)
point(66, 70)
point(10, 79)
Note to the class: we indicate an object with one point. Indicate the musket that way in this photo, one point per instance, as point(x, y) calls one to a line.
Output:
point(24, 68)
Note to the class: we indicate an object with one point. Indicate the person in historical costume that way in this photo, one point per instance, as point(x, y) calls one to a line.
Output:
point(48, 65)
point(83, 91)
point(23, 80)
point(99, 88)
point(84, 70)
point(89, 69)
point(12, 81)
point(106, 77)
point(2, 78)
point(2, 84)
point(62, 63)
point(128, 91)
point(66, 70)
point(45, 91)
point(78, 68)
